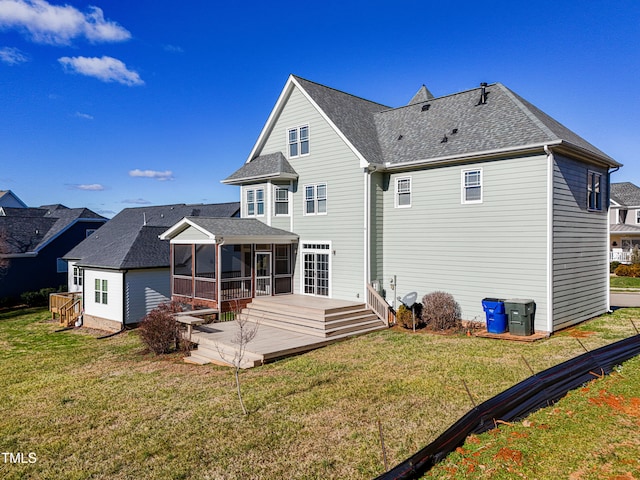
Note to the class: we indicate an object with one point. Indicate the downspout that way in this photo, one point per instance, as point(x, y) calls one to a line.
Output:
point(609, 172)
point(550, 165)
point(366, 227)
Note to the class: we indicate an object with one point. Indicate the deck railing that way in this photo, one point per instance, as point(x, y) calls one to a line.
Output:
point(68, 307)
point(622, 257)
point(380, 306)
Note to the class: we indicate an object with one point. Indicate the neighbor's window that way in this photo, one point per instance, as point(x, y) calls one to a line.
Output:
point(101, 289)
point(281, 200)
point(61, 266)
point(315, 199)
point(255, 202)
point(403, 192)
point(77, 276)
point(594, 191)
point(298, 141)
point(472, 186)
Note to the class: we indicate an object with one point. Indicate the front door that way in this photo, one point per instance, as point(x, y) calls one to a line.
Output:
point(316, 269)
point(263, 273)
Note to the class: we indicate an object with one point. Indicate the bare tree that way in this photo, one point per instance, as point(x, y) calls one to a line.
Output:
point(245, 333)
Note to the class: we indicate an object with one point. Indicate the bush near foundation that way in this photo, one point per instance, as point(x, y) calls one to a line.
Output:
point(440, 311)
point(159, 330)
point(628, 270)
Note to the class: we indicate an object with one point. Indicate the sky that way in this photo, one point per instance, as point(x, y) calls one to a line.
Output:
point(116, 104)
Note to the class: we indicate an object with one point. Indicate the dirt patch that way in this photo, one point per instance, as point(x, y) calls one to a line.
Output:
point(575, 333)
point(618, 403)
point(509, 455)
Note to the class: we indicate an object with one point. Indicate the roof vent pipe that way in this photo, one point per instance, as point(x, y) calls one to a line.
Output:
point(483, 93)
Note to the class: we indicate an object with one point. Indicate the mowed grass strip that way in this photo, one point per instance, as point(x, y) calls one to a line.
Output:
point(104, 408)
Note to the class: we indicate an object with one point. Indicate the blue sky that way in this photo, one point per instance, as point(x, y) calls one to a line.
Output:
point(114, 104)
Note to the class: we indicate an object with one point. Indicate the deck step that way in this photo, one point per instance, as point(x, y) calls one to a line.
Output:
point(222, 355)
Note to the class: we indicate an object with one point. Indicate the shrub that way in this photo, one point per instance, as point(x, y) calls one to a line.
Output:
point(159, 330)
point(38, 298)
point(404, 317)
point(628, 270)
point(635, 255)
point(440, 311)
point(613, 266)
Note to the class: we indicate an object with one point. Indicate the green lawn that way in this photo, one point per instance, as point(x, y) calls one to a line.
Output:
point(625, 282)
point(91, 408)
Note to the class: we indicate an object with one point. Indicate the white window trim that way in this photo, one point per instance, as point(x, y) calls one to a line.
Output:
point(315, 198)
point(275, 200)
point(298, 142)
point(463, 186)
point(326, 248)
point(397, 196)
point(601, 187)
point(103, 282)
point(255, 202)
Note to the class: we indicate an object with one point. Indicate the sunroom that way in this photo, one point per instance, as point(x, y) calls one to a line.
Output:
point(222, 263)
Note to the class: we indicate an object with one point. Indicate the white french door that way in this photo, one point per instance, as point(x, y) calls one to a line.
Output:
point(316, 272)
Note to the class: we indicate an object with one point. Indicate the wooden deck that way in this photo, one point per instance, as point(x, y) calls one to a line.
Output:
point(320, 322)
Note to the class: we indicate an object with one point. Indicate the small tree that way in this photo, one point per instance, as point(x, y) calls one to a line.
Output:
point(635, 255)
point(440, 311)
point(245, 333)
point(159, 329)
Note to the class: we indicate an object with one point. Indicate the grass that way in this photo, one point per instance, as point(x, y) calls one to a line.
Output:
point(91, 408)
point(625, 282)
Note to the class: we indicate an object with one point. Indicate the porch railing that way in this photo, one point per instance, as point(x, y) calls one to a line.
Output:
point(622, 257)
point(198, 287)
point(68, 307)
point(380, 306)
point(236, 288)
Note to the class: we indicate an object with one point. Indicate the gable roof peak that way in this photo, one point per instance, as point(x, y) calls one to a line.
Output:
point(422, 95)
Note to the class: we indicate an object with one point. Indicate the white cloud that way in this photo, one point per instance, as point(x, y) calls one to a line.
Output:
point(161, 176)
point(92, 187)
point(58, 25)
point(137, 201)
point(107, 69)
point(173, 49)
point(12, 56)
point(84, 116)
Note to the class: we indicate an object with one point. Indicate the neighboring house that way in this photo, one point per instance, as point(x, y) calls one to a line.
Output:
point(624, 219)
point(10, 199)
point(33, 241)
point(479, 194)
point(123, 269)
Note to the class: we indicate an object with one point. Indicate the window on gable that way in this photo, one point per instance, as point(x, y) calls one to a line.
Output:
point(101, 291)
point(255, 202)
point(315, 199)
point(403, 192)
point(298, 141)
point(472, 186)
point(281, 200)
point(594, 191)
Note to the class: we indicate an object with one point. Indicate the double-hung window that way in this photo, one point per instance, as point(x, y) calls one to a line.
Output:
point(281, 200)
point(101, 291)
point(298, 141)
point(315, 199)
point(77, 276)
point(472, 186)
point(403, 192)
point(255, 202)
point(594, 191)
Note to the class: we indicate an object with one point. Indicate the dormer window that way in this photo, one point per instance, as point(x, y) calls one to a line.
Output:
point(298, 141)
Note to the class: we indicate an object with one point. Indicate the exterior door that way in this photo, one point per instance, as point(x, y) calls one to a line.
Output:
point(316, 273)
point(263, 273)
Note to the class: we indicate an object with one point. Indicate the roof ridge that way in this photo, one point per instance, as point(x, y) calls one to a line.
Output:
point(341, 91)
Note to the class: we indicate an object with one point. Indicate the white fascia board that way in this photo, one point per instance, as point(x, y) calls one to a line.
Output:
point(291, 83)
point(259, 178)
point(182, 225)
point(270, 239)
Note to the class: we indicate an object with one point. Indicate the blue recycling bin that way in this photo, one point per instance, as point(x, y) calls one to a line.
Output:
point(496, 316)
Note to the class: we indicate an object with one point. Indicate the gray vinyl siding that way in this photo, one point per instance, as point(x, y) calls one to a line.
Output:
point(496, 248)
point(377, 226)
point(144, 291)
point(330, 161)
point(580, 246)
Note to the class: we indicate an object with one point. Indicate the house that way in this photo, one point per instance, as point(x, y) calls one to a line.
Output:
point(33, 241)
point(10, 199)
point(123, 269)
point(624, 220)
point(478, 193)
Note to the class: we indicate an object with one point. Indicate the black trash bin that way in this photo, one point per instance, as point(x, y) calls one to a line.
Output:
point(521, 313)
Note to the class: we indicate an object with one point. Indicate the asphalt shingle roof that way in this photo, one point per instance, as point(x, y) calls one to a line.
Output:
point(30, 229)
point(130, 239)
point(626, 194)
point(272, 165)
point(238, 227)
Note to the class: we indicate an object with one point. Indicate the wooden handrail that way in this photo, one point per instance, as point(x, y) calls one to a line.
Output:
point(380, 306)
point(67, 305)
